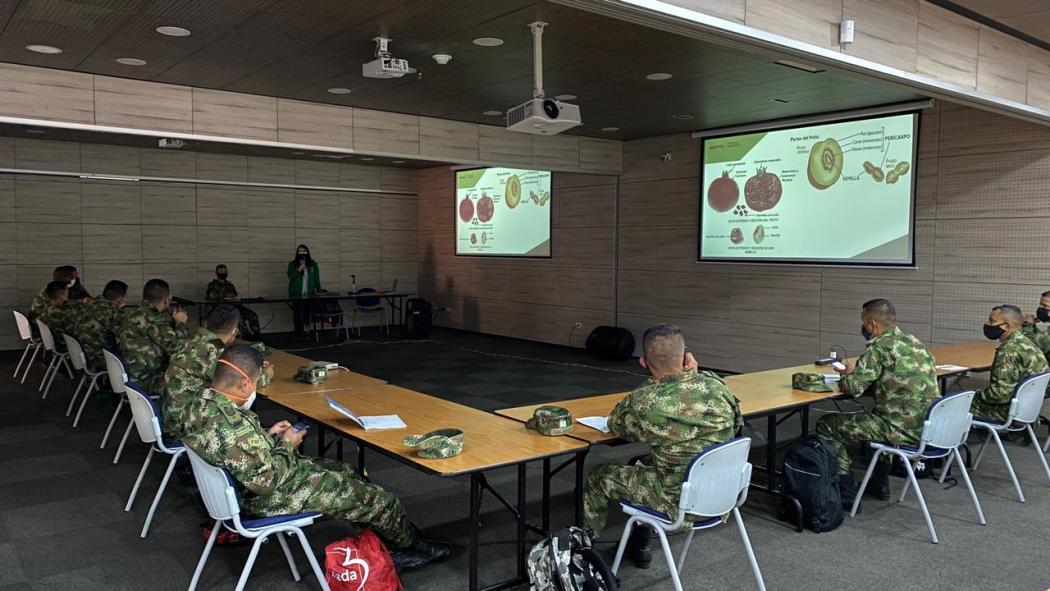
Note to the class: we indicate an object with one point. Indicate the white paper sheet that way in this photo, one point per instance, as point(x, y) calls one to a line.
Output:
point(599, 423)
point(368, 423)
point(954, 368)
point(831, 378)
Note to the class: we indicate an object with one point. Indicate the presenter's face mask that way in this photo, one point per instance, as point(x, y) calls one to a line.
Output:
point(1043, 313)
point(993, 332)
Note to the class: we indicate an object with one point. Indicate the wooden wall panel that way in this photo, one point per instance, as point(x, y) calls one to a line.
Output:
point(379, 131)
point(601, 155)
point(961, 128)
point(222, 167)
point(233, 114)
point(447, 140)
point(315, 124)
point(886, 31)
point(557, 151)
point(811, 21)
point(1003, 67)
point(1038, 77)
point(271, 170)
point(947, 47)
point(1007, 184)
point(496, 144)
point(108, 203)
point(143, 105)
point(46, 94)
point(732, 10)
point(168, 163)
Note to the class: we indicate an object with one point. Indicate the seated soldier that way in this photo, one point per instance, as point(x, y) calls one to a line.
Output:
point(57, 313)
point(66, 274)
point(1041, 338)
point(275, 479)
point(679, 412)
point(222, 289)
point(151, 334)
point(1016, 358)
point(77, 291)
point(901, 375)
point(99, 320)
point(192, 367)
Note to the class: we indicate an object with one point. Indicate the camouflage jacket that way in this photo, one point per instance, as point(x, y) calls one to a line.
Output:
point(189, 371)
point(1016, 358)
point(40, 301)
point(273, 476)
point(97, 326)
point(148, 339)
point(901, 374)
point(60, 319)
point(1041, 338)
point(677, 417)
point(220, 289)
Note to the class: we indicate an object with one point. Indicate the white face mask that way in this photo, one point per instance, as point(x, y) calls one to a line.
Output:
point(248, 403)
point(71, 283)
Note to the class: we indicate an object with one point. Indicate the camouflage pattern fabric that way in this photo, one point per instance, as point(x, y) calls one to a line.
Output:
point(900, 373)
point(810, 382)
point(276, 480)
point(148, 339)
point(220, 289)
point(189, 371)
point(550, 421)
point(1041, 338)
point(678, 417)
point(96, 327)
point(1016, 358)
point(60, 318)
point(442, 443)
point(566, 569)
point(40, 301)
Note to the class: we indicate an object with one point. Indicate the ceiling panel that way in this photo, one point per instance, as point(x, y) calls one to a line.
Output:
point(1030, 17)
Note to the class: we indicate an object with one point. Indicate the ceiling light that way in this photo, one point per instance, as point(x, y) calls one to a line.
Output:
point(339, 90)
point(610, 129)
point(566, 97)
point(799, 66)
point(658, 76)
point(173, 31)
point(441, 58)
point(488, 41)
point(131, 61)
point(397, 162)
point(367, 159)
point(683, 117)
point(45, 49)
point(492, 113)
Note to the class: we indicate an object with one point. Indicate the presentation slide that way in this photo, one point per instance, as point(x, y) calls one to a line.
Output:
point(830, 193)
point(503, 212)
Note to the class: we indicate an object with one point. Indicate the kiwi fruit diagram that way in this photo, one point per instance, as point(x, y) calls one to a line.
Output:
point(826, 161)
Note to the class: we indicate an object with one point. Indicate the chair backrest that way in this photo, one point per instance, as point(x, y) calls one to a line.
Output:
point(24, 331)
point(717, 479)
point(144, 412)
point(46, 337)
point(76, 352)
point(948, 420)
point(367, 302)
point(216, 487)
point(116, 371)
point(1029, 397)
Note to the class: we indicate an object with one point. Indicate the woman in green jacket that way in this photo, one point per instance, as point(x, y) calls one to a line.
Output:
point(304, 280)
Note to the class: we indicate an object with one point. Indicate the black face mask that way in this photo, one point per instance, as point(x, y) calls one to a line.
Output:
point(993, 332)
point(1042, 314)
point(222, 276)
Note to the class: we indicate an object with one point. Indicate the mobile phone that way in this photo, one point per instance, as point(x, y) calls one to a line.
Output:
point(300, 426)
point(838, 365)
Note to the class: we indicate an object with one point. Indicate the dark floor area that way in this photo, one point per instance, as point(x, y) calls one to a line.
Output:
point(62, 523)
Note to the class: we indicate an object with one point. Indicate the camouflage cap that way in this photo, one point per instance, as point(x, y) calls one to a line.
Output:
point(312, 373)
point(810, 382)
point(551, 420)
point(262, 348)
point(442, 443)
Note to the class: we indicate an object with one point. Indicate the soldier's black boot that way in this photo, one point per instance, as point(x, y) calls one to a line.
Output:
point(639, 546)
point(419, 553)
point(879, 484)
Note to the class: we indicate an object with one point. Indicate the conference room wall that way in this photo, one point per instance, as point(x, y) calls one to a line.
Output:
point(135, 231)
point(983, 221)
point(535, 299)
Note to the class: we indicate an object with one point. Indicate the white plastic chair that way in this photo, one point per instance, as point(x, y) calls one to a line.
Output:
point(1024, 411)
point(58, 359)
point(146, 417)
point(79, 360)
point(218, 490)
point(716, 484)
point(369, 306)
point(117, 374)
point(946, 427)
point(32, 343)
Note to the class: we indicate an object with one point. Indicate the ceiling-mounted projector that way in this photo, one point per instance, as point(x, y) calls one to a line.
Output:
point(385, 66)
point(541, 115)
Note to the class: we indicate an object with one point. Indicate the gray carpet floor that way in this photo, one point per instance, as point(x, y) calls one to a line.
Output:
point(62, 523)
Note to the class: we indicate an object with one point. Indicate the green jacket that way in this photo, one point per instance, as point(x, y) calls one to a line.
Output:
point(148, 339)
point(190, 371)
point(1041, 338)
point(295, 279)
point(97, 327)
point(1016, 358)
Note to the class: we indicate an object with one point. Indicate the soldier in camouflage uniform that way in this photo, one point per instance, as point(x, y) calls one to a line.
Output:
point(99, 321)
point(275, 478)
point(148, 337)
point(58, 313)
point(1016, 358)
point(222, 289)
point(66, 275)
point(1041, 338)
point(679, 412)
point(192, 367)
point(901, 375)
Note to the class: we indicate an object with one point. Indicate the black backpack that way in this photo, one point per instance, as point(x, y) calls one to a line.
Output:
point(811, 477)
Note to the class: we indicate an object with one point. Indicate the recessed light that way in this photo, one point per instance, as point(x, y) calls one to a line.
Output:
point(610, 129)
point(658, 76)
point(780, 100)
point(441, 58)
point(45, 49)
point(488, 41)
point(367, 159)
point(492, 113)
point(36, 131)
point(683, 117)
point(566, 97)
point(799, 66)
point(397, 162)
point(131, 61)
point(339, 90)
point(173, 31)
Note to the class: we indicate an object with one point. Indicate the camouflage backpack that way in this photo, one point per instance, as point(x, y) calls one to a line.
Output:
point(565, 561)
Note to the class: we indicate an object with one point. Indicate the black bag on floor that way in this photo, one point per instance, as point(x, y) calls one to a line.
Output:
point(610, 342)
point(567, 561)
point(811, 477)
point(419, 318)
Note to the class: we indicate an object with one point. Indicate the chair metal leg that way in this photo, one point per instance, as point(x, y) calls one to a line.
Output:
point(160, 493)
point(313, 560)
point(759, 581)
point(864, 482)
point(47, 372)
point(69, 368)
point(288, 555)
point(204, 555)
point(685, 551)
point(922, 502)
point(670, 559)
point(907, 484)
point(1046, 446)
point(22, 360)
point(112, 421)
point(51, 380)
point(250, 563)
point(948, 465)
point(76, 394)
point(1038, 450)
point(623, 543)
point(123, 441)
point(138, 481)
point(980, 452)
point(83, 401)
point(969, 487)
point(1009, 465)
point(36, 351)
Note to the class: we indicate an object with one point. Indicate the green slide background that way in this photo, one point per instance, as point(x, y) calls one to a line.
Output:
point(524, 230)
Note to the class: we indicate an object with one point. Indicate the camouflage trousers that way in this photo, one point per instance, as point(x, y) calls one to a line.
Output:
point(335, 489)
point(842, 431)
point(636, 484)
point(990, 410)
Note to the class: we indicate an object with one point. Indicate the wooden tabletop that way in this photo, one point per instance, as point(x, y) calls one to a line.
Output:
point(490, 441)
point(976, 355)
point(284, 382)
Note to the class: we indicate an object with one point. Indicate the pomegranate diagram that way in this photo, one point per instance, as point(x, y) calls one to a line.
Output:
point(485, 208)
point(763, 190)
point(466, 209)
point(723, 193)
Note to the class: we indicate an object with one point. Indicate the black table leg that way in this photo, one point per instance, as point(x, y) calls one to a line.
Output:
point(320, 440)
point(546, 494)
point(339, 450)
point(805, 421)
point(521, 521)
point(475, 526)
point(361, 460)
